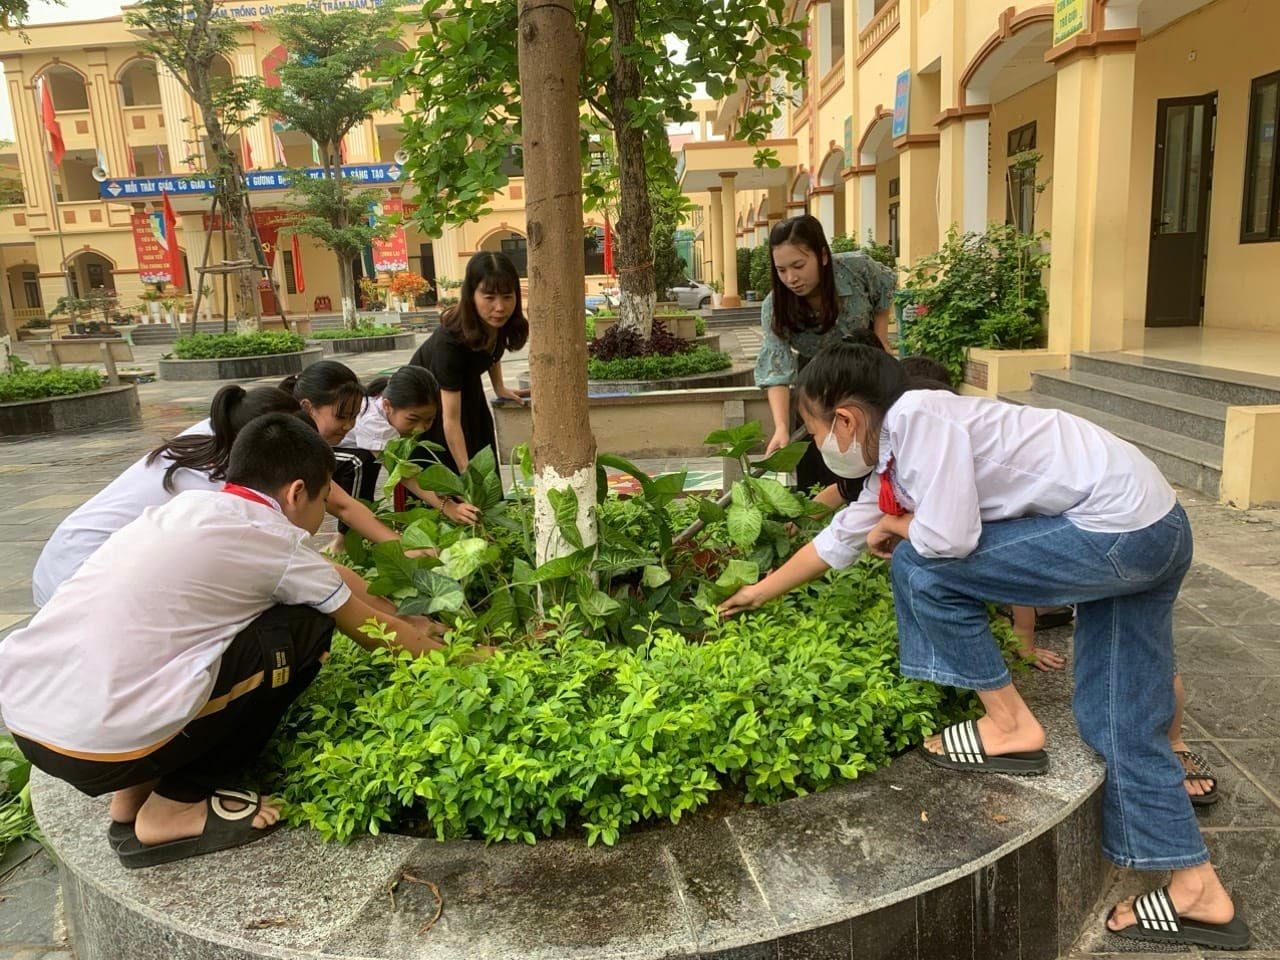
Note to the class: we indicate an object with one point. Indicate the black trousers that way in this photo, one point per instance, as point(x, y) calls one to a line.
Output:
point(268, 665)
point(356, 472)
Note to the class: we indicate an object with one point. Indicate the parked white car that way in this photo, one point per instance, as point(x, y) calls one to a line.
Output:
point(691, 294)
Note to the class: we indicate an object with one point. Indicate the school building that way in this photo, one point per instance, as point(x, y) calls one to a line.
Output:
point(122, 113)
point(1155, 121)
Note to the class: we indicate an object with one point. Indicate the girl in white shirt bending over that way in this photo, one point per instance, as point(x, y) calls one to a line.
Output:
point(977, 500)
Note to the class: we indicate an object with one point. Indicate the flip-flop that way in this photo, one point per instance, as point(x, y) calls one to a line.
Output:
point(224, 829)
point(1159, 921)
point(962, 750)
point(1199, 769)
point(119, 832)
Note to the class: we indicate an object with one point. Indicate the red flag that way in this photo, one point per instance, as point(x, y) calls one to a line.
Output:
point(56, 145)
point(608, 248)
point(298, 283)
point(171, 238)
point(342, 149)
point(248, 152)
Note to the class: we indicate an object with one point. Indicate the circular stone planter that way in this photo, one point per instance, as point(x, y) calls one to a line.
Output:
point(395, 341)
point(909, 861)
point(240, 368)
point(75, 411)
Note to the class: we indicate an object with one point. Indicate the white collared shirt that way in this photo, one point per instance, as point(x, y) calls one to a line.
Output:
point(127, 651)
point(960, 462)
point(118, 503)
point(373, 431)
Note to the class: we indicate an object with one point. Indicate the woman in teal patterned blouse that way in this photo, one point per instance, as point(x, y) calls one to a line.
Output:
point(818, 299)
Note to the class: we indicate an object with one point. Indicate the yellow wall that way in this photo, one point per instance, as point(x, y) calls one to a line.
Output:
point(1036, 103)
point(1233, 41)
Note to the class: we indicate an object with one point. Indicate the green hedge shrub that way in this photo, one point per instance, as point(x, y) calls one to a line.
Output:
point(698, 360)
point(27, 384)
point(355, 333)
point(205, 346)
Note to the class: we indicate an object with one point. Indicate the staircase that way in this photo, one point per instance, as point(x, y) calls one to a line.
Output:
point(720, 318)
point(1175, 413)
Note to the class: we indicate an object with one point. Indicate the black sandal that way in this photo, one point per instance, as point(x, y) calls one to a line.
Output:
point(962, 750)
point(1159, 921)
point(1199, 769)
point(118, 833)
point(223, 829)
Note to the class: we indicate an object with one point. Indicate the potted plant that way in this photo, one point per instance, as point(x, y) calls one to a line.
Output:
point(449, 299)
point(405, 287)
point(37, 328)
point(717, 293)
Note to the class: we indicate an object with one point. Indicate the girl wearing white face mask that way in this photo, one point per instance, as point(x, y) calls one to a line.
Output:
point(976, 500)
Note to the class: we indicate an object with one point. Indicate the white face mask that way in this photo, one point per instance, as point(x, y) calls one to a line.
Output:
point(850, 463)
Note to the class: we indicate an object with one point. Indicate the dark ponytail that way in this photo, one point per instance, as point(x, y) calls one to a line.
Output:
point(327, 383)
point(409, 386)
point(233, 407)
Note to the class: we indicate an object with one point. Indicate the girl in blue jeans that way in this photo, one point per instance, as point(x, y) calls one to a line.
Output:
point(977, 500)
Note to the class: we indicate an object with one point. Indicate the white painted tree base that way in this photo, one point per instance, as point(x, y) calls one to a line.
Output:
point(548, 541)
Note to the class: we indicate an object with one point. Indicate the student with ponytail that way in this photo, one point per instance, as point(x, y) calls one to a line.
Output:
point(196, 459)
point(976, 500)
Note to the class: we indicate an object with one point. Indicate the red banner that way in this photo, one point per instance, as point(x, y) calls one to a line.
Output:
point(149, 243)
point(268, 223)
point(391, 253)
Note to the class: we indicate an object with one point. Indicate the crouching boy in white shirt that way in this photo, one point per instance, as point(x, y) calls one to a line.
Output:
point(161, 685)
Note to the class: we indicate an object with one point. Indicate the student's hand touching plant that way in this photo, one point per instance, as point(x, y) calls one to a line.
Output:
point(747, 598)
point(461, 512)
point(781, 437)
point(422, 552)
point(1045, 659)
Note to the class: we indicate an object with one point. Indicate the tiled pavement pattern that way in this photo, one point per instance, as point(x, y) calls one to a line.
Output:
point(1228, 638)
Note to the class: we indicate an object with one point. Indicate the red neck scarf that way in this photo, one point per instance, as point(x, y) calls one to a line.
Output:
point(246, 494)
point(889, 504)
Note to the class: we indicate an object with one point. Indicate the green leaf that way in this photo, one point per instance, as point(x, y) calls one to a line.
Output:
point(744, 525)
point(564, 504)
point(395, 571)
point(738, 573)
point(784, 460)
point(562, 567)
point(710, 512)
point(354, 543)
point(464, 558)
point(778, 498)
point(655, 577)
point(597, 604)
point(438, 478)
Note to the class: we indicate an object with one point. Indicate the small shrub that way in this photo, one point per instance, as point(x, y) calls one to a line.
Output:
point(762, 270)
point(39, 323)
point(205, 346)
point(659, 367)
point(17, 822)
point(23, 383)
point(700, 327)
point(622, 343)
point(744, 267)
point(354, 333)
point(843, 243)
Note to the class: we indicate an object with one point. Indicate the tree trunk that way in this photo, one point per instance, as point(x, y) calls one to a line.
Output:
point(346, 276)
point(346, 284)
point(635, 223)
point(563, 447)
point(234, 211)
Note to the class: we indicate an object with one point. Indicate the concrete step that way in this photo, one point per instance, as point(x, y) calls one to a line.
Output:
point(1184, 461)
point(1231, 387)
point(748, 315)
point(1186, 414)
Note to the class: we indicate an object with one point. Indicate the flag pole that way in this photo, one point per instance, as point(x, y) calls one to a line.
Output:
point(53, 195)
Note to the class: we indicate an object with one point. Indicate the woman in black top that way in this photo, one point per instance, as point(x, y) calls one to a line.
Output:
point(470, 341)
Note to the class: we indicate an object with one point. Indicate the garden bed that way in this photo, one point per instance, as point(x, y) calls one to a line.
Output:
point(107, 406)
point(239, 368)
point(363, 339)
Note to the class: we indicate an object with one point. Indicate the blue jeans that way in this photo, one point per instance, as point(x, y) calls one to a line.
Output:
point(1124, 586)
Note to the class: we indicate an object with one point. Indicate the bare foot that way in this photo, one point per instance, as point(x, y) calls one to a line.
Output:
point(126, 803)
point(1195, 788)
point(161, 820)
point(1197, 894)
point(1023, 736)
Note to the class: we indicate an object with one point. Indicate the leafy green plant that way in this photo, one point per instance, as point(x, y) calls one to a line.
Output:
point(700, 359)
point(762, 270)
point(744, 266)
point(23, 383)
point(620, 698)
point(700, 326)
point(17, 822)
point(843, 243)
point(207, 346)
point(978, 290)
point(356, 332)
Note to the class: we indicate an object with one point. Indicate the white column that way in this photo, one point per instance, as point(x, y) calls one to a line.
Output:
point(179, 117)
point(976, 132)
point(729, 204)
point(263, 155)
point(867, 206)
point(827, 213)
